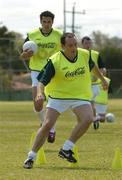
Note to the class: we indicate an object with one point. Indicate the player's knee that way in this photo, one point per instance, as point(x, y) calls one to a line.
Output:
point(89, 118)
point(47, 125)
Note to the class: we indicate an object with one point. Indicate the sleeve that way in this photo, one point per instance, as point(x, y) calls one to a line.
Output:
point(46, 73)
point(100, 62)
point(26, 39)
point(91, 62)
point(110, 89)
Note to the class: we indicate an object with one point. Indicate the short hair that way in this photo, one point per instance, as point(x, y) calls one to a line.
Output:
point(47, 14)
point(65, 35)
point(85, 38)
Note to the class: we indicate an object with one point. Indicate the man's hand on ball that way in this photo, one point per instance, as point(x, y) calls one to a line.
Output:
point(27, 54)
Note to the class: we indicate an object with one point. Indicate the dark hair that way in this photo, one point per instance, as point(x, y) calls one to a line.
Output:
point(47, 14)
point(85, 38)
point(65, 35)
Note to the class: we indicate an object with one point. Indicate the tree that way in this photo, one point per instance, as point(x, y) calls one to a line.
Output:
point(111, 52)
point(110, 48)
point(10, 45)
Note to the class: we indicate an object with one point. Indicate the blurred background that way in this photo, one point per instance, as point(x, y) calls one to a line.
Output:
point(101, 21)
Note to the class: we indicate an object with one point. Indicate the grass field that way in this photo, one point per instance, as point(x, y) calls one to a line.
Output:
point(96, 149)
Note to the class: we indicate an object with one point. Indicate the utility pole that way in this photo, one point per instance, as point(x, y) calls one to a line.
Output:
point(64, 16)
point(73, 12)
point(73, 18)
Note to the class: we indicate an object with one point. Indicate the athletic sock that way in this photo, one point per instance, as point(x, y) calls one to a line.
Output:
point(68, 145)
point(32, 155)
point(97, 118)
point(52, 130)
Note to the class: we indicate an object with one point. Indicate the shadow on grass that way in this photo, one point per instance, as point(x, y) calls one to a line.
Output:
point(56, 151)
point(70, 168)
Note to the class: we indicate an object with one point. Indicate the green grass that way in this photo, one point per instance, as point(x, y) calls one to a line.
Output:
point(96, 149)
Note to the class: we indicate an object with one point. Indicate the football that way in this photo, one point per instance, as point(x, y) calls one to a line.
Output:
point(110, 117)
point(31, 45)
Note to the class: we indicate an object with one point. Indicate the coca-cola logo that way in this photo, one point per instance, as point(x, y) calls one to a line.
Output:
point(77, 72)
point(47, 45)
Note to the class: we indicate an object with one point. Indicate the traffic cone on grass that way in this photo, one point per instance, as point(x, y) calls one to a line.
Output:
point(117, 162)
point(41, 159)
point(32, 140)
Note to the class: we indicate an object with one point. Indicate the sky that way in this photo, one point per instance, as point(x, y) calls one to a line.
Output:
point(23, 15)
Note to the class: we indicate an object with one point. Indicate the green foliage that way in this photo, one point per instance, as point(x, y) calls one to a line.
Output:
point(10, 47)
point(111, 53)
point(112, 57)
point(5, 81)
point(11, 43)
point(96, 149)
point(110, 48)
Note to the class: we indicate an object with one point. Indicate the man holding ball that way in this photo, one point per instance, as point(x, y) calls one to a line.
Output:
point(48, 43)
